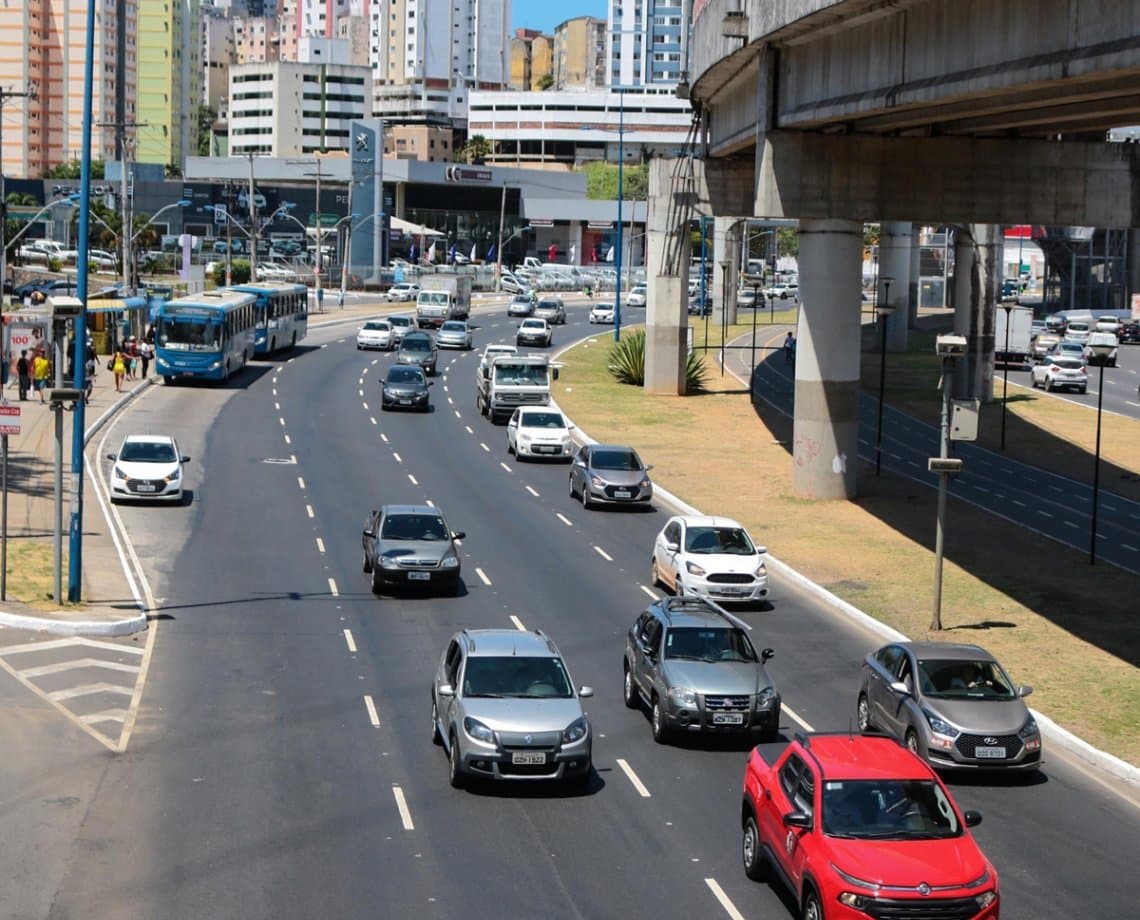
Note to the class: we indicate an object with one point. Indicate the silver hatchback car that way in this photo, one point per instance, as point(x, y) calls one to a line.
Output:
point(609, 474)
point(951, 704)
point(504, 707)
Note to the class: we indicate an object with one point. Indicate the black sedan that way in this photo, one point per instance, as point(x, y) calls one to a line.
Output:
point(405, 387)
point(418, 348)
point(410, 546)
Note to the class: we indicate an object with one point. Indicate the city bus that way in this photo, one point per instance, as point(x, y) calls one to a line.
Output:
point(282, 314)
point(205, 336)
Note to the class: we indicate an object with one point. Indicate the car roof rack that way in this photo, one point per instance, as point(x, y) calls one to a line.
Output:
point(693, 603)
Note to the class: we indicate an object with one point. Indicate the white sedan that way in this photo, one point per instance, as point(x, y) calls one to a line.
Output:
point(403, 292)
point(710, 556)
point(376, 333)
point(538, 433)
point(602, 313)
point(147, 467)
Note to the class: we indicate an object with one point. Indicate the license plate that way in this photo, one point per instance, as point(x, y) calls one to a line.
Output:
point(990, 753)
point(728, 718)
point(144, 487)
point(730, 591)
point(547, 450)
point(405, 402)
point(419, 576)
point(622, 493)
point(526, 757)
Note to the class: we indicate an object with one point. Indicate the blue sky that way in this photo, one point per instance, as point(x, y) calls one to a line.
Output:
point(546, 14)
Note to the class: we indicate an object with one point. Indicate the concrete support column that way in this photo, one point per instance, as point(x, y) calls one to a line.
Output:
point(913, 293)
point(894, 263)
point(1133, 265)
point(667, 280)
point(726, 251)
point(977, 266)
point(826, 434)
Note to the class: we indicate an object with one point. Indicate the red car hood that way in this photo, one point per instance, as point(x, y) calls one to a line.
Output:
point(909, 863)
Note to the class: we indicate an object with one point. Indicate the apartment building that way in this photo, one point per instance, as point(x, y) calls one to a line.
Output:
point(645, 43)
point(580, 54)
point(169, 81)
point(532, 60)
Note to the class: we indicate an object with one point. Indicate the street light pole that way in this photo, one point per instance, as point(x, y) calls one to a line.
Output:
point(499, 244)
point(884, 312)
point(1101, 352)
point(752, 363)
point(617, 256)
point(1005, 371)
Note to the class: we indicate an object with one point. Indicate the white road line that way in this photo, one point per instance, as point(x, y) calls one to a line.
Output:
point(282, 421)
point(450, 401)
point(365, 405)
point(504, 466)
point(796, 717)
point(360, 381)
point(309, 511)
point(275, 388)
point(372, 419)
point(725, 902)
point(397, 457)
point(360, 393)
point(277, 406)
point(373, 717)
point(532, 492)
point(483, 577)
point(60, 667)
point(412, 479)
point(287, 440)
point(301, 481)
point(601, 552)
point(350, 641)
point(653, 594)
point(518, 623)
point(1071, 524)
point(402, 805)
point(1045, 513)
point(320, 546)
point(565, 520)
point(1021, 504)
point(1108, 507)
point(336, 593)
point(383, 437)
point(457, 415)
point(633, 778)
point(445, 387)
point(1130, 548)
point(485, 447)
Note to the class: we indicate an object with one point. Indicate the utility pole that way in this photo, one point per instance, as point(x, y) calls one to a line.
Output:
point(320, 238)
point(125, 189)
point(5, 95)
point(252, 225)
point(348, 241)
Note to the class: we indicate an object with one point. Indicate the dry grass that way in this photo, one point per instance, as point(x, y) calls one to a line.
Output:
point(30, 572)
point(1040, 608)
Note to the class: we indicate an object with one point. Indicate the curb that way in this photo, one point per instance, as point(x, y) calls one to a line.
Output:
point(1062, 737)
point(125, 627)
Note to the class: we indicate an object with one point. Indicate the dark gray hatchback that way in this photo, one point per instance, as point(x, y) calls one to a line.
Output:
point(410, 546)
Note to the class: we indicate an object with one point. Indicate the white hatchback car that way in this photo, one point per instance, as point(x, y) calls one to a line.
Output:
point(403, 291)
point(710, 556)
point(376, 333)
point(539, 433)
point(147, 467)
point(638, 296)
point(602, 313)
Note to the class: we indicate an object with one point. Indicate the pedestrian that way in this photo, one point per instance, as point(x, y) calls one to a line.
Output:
point(145, 352)
point(789, 348)
point(41, 371)
point(89, 367)
point(132, 356)
point(24, 372)
point(119, 369)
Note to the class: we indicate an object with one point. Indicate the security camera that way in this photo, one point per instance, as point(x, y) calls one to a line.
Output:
point(950, 346)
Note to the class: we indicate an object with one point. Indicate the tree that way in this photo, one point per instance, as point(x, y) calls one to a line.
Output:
point(12, 227)
point(602, 180)
point(476, 150)
point(73, 169)
point(546, 81)
point(206, 118)
point(788, 241)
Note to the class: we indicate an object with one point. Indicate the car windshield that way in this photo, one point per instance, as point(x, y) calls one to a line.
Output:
point(603, 307)
point(542, 420)
point(548, 305)
point(413, 527)
point(1078, 327)
point(615, 460)
point(377, 326)
point(888, 809)
point(732, 541)
point(964, 678)
point(416, 343)
point(523, 375)
point(400, 321)
point(534, 678)
point(533, 324)
point(720, 643)
point(452, 327)
point(148, 452)
point(405, 375)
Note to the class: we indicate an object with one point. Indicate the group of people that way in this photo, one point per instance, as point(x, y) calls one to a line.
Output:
point(34, 373)
point(131, 361)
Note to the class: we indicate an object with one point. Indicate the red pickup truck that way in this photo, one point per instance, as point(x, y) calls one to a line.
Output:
point(857, 826)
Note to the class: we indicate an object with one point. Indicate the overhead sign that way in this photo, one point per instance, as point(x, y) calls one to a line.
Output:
point(327, 220)
point(541, 222)
point(600, 225)
point(466, 174)
point(9, 419)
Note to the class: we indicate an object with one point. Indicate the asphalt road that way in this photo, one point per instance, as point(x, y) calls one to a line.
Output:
point(281, 764)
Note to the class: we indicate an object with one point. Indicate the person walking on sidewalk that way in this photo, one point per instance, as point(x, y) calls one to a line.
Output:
point(41, 370)
point(132, 349)
point(89, 367)
point(119, 369)
point(145, 352)
point(24, 373)
point(789, 348)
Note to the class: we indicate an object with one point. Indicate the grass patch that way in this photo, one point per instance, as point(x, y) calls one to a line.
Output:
point(31, 572)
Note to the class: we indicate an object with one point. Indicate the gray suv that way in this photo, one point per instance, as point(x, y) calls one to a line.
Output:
point(504, 707)
point(692, 663)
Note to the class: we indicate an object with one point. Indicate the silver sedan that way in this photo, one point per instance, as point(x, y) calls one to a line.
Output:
point(454, 334)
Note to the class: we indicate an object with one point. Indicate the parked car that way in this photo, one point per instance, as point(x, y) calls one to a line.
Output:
point(405, 387)
point(610, 474)
point(521, 305)
point(147, 467)
point(375, 333)
point(418, 348)
point(539, 432)
point(951, 704)
point(1059, 372)
point(454, 333)
point(746, 297)
point(551, 309)
point(511, 284)
point(710, 556)
point(638, 297)
point(403, 292)
point(408, 546)
point(504, 707)
point(533, 331)
point(401, 325)
point(602, 312)
point(699, 306)
point(692, 663)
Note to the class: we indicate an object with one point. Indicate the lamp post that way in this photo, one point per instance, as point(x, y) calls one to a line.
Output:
point(617, 255)
point(883, 312)
point(1005, 369)
point(752, 364)
point(947, 347)
point(1101, 353)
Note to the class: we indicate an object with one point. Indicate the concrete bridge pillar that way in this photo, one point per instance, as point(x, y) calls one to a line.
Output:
point(894, 263)
point(977, 267)
point(826, 433)
point(914, 292)
point(726, 251)
point(668, 246)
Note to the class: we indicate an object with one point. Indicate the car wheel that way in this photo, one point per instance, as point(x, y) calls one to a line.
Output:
point(630, 689)
point(573, 491)
point(654, 574)
point(365, 565)
point(751, 851)
point(454, 768)
point(813, 910)
point(863, 714)
point(660, 729)
point(377, 585)
point(510, 448)
point(1048, 385)
point(436, 737)
point(1083, 390)
point(585, 495)
point(912, 742)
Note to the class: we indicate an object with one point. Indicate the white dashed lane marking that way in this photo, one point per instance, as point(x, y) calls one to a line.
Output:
point(349, 641)
point(373, 716)
point(483, 577)
point(504, 466)
point(518, 624)
point(634, 779)
point(485, 447)
point(320, 546)
point(309, 510)
point(532, 492)
point(301, 481)
point(332, 588)
point(397, 457)
point(412, 479)
point(565, 520)
point(402, 806)
point(601, 552)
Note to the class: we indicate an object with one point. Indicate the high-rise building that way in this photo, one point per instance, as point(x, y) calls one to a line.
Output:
point(580, 54)
point(169, 80)
point(645, 43)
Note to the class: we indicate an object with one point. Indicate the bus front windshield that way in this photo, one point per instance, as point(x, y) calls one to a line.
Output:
point(185, 334)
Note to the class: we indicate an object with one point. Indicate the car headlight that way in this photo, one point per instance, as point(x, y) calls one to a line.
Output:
point(597, 482)
point(693, 569)
point(985, 899)
point(118, 473)
point(939, 725)
point(161, 362)
point(1029, 729)
point(173, 477)
point(449, 562)
point(761, 571)
point(478, 730)
point(645, 483)
point(387, 562)
point(683, 695)
point(575, 731)
point(215, 366)
point(765, 697)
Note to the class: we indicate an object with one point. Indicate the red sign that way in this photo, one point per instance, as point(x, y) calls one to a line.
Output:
point(9, 419)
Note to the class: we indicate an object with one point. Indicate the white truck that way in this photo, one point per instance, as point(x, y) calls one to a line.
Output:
point(1017, 348)
point(441, 298)
point(505, 382)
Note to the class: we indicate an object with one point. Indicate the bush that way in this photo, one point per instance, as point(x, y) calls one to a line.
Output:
point(627, 364)
point(239, 271)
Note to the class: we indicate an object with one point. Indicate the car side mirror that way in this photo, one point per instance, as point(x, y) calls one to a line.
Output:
point(569, 426)
point(761, 550)
point(585, 691)
point(972, 818)
point(648, 468)
point(899, 687)
point(767, 654)
point(368, 532)
point(554, 373)
point(112, 456)
point(797, 819)
point(445, 690)
point(486, 373)
point(1024, 690)
point(672, 547)
point(185, 459)
point(458, 534)
point(431, 383)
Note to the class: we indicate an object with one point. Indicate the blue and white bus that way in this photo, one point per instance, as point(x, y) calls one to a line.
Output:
point(282, 314)
point(205, 336)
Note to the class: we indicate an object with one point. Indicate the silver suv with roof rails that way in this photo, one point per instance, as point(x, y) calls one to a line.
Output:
point(504, 707)
point(692, 663)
